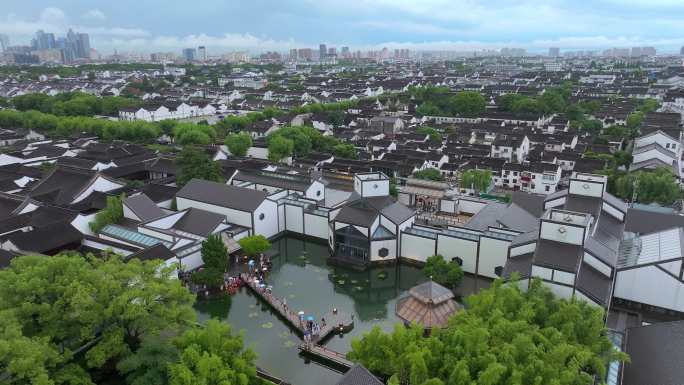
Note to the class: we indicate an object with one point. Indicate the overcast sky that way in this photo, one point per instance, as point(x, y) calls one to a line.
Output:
point(260, 25)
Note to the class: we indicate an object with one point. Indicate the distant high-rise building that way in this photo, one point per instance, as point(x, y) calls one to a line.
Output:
point(346, 54)
point(648, 51)
point(322, 51)
point(43, 40)
point(305, 54)
point(681, 51)
point(554, 52)
point(332, 51)
point(189, 54)
point(83, 45)
point(4, 42)
point(293, 54)
point(202, 53)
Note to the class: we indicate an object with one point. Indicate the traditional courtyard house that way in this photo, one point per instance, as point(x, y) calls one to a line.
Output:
point(241, 206)
point(366, 228)
point(575, 249)
point(66, 185)
point(280, 184)
point(659, 148)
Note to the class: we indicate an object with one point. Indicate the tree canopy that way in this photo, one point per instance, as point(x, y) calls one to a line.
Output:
point(112, 213)
point(279, 147)
point(505, 336)
point(53, 307)
point(446, 273)
point(189, 134)
point(440, 101)
point(345, 150)
point(659, 186)
point(215, 258)
point(238, 144)
point(479, 180)
point(73, 104)
point(435, 136)
point(254, 244)
point(429, 174)
point(65, 126)
point(212, 355)
point(194, 163)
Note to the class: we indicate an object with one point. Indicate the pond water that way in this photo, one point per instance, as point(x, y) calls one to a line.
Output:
point(300, 273)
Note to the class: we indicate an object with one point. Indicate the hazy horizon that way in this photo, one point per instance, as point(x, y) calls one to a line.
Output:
point(261, 25)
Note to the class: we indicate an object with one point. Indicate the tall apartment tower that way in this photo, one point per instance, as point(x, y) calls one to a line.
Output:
point(202, 53)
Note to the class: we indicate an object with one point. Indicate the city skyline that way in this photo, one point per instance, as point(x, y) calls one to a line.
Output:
point(466, 25)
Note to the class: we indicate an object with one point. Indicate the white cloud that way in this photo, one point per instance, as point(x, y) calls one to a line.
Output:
point(228, 41)
point(94, 14)
point(55, 20)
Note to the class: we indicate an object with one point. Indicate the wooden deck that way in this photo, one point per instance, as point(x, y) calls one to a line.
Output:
point(339, 322)
point(326, 355)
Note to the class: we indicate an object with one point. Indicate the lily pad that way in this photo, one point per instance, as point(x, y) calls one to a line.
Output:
point(289, 344)
point(341, 282)
point(253, 315)
point(267, 325)
point(382, 275)
point(291, 296)
point(358, 288)
point(354, 282)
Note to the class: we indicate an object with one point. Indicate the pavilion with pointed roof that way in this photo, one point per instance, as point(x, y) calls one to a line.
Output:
point(428, 304)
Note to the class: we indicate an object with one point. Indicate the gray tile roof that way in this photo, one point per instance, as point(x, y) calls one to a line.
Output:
point(644, 221)
point(143, 207)
point(558, 255)
point(358, 375)
point(219, 194)
point(486, 217)
point(597, 285)
point(656, 354)
point(199, 222)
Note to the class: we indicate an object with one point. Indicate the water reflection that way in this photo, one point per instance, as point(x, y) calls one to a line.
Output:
point(300, 274)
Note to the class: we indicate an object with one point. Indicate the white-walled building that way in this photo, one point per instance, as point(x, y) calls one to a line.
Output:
point(659, 148)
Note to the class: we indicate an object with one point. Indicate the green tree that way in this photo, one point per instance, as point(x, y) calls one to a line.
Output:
point(634, 121)
point(504, 336)
point(148, 365)
point(254, 245)
point(68, 302)
point(300, 137)
point(215, 258)
point(592, 126)
point(213, 355)
point(429, 174)
point(188, 134)
point(214, 253)
point(345, 150)
point(649, 105)
point(445, 273)
point(435, 136)
point(468, 103)
point(111, 214)
point(479, 180)
point(279, 147)
point(193, 163)
point(659, 186)
point(238, 144)
point(428, 109)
